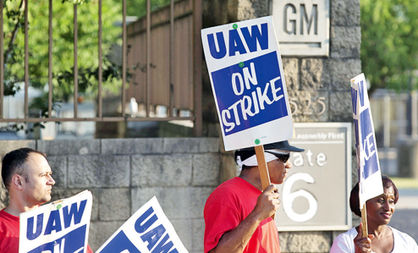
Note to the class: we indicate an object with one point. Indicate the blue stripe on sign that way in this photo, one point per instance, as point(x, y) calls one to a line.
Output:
point(368, 144)
point(71, 242)
point(354, 100)
point(361, 92)
point(254, 86)
point(120, 243)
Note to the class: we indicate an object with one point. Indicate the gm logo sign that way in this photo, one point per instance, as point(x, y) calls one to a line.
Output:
point(302, 26)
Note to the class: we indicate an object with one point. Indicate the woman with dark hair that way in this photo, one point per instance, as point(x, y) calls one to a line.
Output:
point(381, 237)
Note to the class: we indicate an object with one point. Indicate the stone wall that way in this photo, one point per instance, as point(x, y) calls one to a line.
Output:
point(123, 174)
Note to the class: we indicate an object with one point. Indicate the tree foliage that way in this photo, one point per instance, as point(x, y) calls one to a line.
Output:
point(389, 43)
point(138, 8)
point(63, 46)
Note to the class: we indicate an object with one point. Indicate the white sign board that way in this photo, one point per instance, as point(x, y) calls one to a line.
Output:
point(302, 26)
point(58, 227)
point(147, 230)
point(370, 176)
point(315, 192)
point(248, 85)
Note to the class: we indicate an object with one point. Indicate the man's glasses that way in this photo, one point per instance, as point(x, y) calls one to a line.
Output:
point(282, 157)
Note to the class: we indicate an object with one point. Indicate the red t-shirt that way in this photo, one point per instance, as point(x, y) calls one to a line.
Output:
point(9, 233)
point(230, 204)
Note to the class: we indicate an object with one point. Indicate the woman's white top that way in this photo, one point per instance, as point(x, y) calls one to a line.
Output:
point(403, 243)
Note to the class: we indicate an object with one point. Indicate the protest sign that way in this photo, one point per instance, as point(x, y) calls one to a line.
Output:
point(147, 230)
point(58, 227)
point(370, 178)
point(246, 74)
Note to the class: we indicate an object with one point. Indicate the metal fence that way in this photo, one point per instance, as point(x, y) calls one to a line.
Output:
point(179, 89)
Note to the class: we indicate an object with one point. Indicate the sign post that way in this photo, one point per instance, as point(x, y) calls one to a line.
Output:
point(262, 166)
point(364, 221)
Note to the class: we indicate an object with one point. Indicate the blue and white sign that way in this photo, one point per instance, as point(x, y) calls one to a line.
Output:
point(147, 230)
point(246, 74)
point(59, 227)
point(370, 179)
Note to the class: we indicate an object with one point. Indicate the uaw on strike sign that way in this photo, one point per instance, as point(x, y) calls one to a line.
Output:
point(147, 230)
point(248, 84)
point(370, 178)
point(58, 227)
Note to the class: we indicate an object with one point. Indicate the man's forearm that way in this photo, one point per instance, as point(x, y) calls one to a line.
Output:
point(235, 240)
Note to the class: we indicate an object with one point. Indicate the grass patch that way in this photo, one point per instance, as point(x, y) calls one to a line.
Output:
point(403, 182)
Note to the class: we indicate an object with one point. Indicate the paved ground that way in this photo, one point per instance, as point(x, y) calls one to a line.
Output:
point(406, 214)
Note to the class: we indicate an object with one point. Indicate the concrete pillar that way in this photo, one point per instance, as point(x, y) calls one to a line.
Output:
point(408, 157)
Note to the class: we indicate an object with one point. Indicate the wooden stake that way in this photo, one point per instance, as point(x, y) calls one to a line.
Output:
point(262, 168)
point(364, 221)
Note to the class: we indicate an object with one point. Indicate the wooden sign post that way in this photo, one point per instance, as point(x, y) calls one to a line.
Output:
point(364, 221)
point(262, 167)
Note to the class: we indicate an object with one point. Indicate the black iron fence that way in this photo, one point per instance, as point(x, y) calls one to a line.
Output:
point(160, 65)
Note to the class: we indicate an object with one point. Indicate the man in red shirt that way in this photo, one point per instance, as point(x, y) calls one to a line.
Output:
point(28, 179)
point(238, 213)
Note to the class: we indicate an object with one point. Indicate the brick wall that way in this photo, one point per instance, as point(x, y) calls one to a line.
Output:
point(123, 174)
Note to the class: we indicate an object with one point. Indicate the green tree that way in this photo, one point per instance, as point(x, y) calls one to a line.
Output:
point(63, 58)
point(139, 7)
point(389, 43)
point(63, 44)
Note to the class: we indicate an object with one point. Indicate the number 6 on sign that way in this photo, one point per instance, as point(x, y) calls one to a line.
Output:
point(289, 197)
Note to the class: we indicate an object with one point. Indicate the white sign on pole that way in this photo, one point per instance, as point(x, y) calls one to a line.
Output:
point(147, 230)
point(59, 227)
point(370, 176)
point(246, 74)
